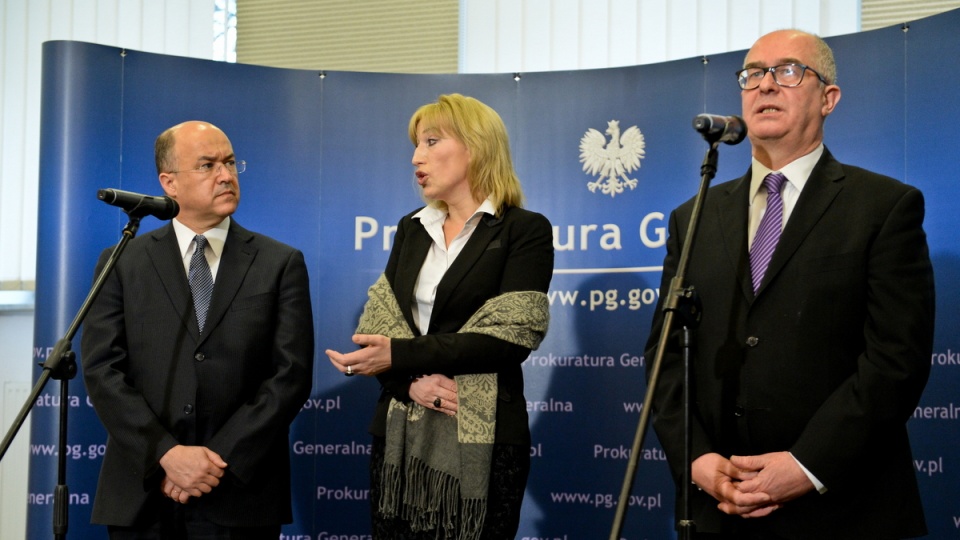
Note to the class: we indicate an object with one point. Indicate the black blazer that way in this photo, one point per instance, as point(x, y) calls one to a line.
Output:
point(827, 361)
point(155, 382)
point(511, 253)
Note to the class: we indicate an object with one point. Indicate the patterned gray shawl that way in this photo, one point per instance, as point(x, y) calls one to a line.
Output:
point(437, 467)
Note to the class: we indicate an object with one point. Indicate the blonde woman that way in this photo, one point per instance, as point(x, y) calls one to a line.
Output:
point(461, 304)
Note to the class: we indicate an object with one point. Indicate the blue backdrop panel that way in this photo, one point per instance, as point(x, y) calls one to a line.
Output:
point(71, 234)
point(931, 147)
point(329, 172)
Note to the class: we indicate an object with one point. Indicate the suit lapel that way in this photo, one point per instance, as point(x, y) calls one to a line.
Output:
point(413, 253)
point(733, 209)
point(164, 254)
point(416, 244)
point(481, 240)
point(238, 254)
point(818, 194)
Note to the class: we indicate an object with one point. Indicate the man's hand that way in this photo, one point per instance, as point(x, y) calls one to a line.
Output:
point(191, 471)
point(721, 478)
point(174, 491)
point(778, 475)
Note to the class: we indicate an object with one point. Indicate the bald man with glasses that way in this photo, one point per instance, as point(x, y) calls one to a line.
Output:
point(817, 326)
point(197, 355)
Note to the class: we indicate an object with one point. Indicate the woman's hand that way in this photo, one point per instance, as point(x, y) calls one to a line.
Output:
point(372, 359)
point(435, 392)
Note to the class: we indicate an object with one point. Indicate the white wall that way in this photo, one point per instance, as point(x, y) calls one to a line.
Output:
point(178, 27)
point(504, 36)
point(16, 327)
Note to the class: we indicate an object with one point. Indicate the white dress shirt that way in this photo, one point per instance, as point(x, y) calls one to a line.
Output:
point(216, 238)
point(797, 172)
point(439, 257)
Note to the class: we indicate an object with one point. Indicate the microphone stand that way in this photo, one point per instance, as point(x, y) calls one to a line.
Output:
point(61, 365)
point(681, 301)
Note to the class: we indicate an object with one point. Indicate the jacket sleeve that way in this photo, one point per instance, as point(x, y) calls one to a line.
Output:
point(894, 365)
point(279, 397)
point(132, 424)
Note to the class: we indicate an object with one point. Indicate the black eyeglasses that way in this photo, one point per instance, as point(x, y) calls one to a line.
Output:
point(232, 165)
point(788, 75)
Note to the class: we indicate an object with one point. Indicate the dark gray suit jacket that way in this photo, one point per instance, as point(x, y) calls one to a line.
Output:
point(511, 253)
point(155, 382)
point(828, 360)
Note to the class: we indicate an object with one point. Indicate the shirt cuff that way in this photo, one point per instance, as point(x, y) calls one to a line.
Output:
point(821, 489)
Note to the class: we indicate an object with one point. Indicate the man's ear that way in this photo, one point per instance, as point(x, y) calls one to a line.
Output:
point(169, 184)
point(831, 96)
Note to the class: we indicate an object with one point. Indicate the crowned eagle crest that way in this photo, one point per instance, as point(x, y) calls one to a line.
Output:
point(612, 160)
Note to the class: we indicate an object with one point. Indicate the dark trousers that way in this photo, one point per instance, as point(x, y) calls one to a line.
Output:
point(183, 522)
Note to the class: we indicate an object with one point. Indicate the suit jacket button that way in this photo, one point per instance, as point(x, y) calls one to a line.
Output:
point(738, 411)
point(752, 341)
point(199, 357)
point(188, 409)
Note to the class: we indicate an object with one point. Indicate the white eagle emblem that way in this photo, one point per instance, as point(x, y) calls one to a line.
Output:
point(613, 160)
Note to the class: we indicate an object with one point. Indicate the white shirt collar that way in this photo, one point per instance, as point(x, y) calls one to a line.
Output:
point(428, 215)
point(797, 171)
point(216, 237)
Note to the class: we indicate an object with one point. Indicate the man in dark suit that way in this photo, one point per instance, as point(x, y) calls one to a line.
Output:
point(807, 368)
point(197, 389)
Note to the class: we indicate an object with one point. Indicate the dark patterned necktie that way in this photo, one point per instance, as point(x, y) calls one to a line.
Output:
point(201, 280)
point(768, 234)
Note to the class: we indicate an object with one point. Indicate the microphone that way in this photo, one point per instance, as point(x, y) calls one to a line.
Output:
point(716, 128)
point(137, 205)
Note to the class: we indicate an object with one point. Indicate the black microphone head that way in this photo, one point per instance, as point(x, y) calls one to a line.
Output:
point(106, 195)
point(137, 205)
point(716, 128)
point(175, 208)
point(701, 122)
point(736, 130)
point(162, 208)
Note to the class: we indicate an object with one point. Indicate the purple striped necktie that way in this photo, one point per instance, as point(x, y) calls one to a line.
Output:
point(768, 234)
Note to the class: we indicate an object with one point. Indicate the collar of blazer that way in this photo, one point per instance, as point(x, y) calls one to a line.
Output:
point(819, 193)
point(239, 252)
point(484, 237)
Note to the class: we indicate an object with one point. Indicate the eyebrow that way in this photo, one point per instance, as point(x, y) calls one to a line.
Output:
point(427, 133)
point(212, 158)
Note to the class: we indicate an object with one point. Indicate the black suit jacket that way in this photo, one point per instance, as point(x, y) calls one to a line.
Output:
point(155, 382)
point(827, 360)
point(511, 253)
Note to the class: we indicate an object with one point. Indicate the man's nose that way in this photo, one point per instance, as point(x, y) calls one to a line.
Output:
point(768, 83)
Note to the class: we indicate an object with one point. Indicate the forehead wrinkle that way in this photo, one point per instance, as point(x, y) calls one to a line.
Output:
point(214, 158)
point(779, 62)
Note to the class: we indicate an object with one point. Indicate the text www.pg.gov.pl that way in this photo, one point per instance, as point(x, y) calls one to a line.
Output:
point(612, 299)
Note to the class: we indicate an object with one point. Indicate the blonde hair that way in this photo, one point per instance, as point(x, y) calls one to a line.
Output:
point(479, 127)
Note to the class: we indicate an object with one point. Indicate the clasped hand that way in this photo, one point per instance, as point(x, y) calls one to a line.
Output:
point(751, 486)
point(436, 392)
point(191, 471)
